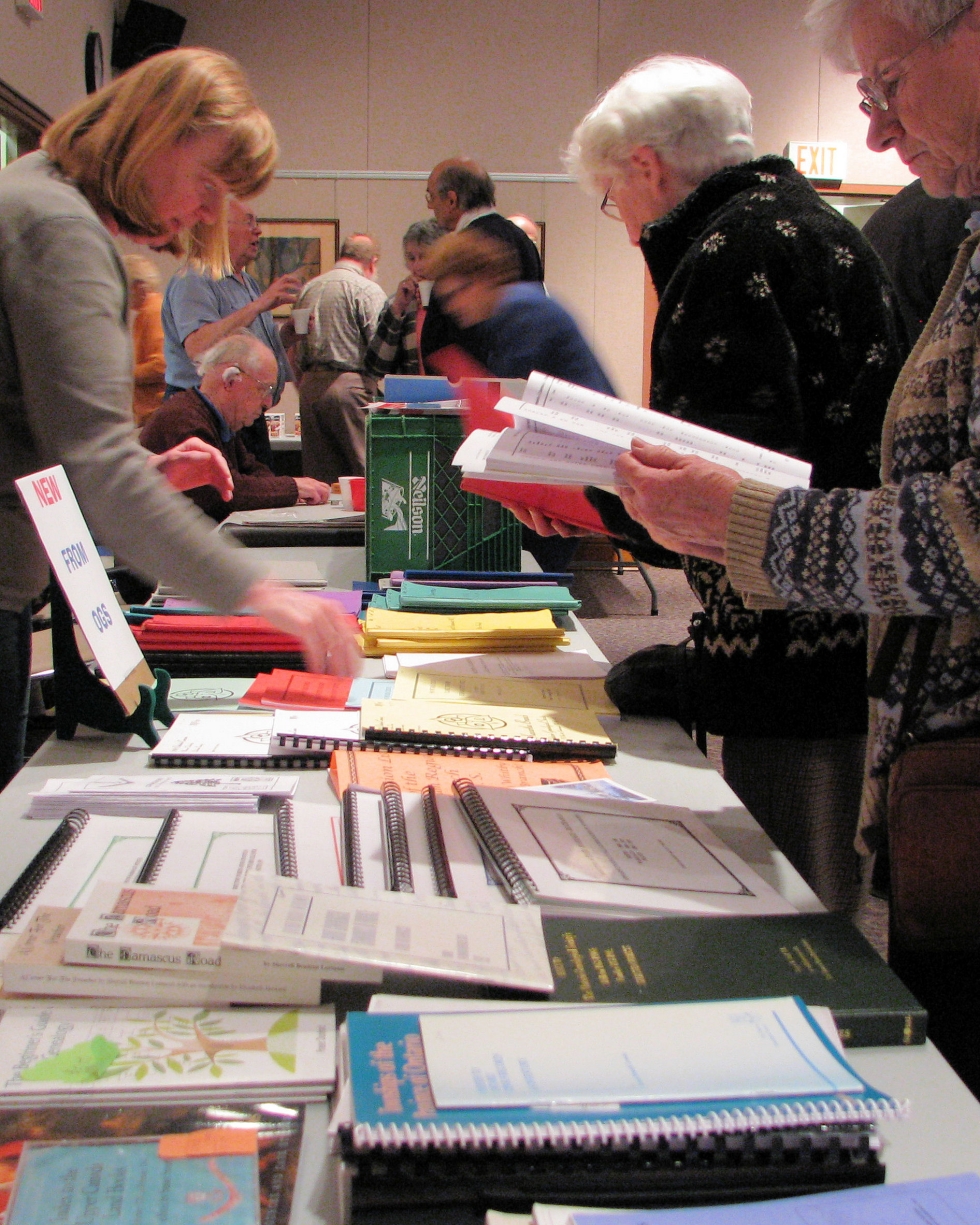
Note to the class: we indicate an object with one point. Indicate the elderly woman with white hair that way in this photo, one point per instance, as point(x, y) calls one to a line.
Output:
point(775, 324)
point(909, 551)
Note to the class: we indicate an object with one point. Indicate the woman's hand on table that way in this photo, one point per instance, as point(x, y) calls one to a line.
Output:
point(541, 524)
point(329, 641)
point(193, 463)
point(683, 501)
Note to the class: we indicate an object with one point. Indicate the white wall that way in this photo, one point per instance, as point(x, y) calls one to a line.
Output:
point(390, 85)
point(45, 60)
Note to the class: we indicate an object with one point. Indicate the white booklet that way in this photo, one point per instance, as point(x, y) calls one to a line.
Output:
point(569, 435)
point(440, 936)
point(726, 1051)
point(614, 858)
point(63, 1055)
point(560, 663)
point(154, 795)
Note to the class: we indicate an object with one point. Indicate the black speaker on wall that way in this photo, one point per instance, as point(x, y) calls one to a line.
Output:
point(146, 30)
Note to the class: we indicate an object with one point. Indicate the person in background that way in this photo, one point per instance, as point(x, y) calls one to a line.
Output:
point(476, 282)
point(917, 237)
point(461, 195)
point(238, 380)
point(149, 364)
point(776, 325)
point(523, 329)
point(335, 387)
point(151, 156)
point(529, 227)
point(395, 347)
point(200, 309)
point(908, 552)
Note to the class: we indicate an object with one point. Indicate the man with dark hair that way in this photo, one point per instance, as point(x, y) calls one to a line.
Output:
point(461, 194)
point(345, 305)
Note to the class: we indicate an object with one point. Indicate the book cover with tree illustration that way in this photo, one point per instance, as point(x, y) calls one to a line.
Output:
point(161, 1053)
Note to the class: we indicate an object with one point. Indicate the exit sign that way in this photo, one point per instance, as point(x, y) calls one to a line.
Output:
point(30, 8)
point(825, 160)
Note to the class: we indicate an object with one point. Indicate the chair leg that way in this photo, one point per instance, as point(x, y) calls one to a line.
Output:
point(645, 575)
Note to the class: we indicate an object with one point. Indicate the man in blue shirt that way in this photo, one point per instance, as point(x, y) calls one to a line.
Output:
point(199, 310)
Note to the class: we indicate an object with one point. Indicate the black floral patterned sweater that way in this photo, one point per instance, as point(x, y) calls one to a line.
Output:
point(776, 324)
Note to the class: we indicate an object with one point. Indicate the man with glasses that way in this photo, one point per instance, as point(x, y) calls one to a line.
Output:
point(908, 552)
point(238, 379)
point(199, 310)
point(461, 194)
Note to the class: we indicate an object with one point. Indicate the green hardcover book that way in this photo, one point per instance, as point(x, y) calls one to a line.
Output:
point(821, 957)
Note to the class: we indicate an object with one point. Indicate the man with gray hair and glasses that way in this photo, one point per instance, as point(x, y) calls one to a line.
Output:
point(238, 377)
point(909, 552)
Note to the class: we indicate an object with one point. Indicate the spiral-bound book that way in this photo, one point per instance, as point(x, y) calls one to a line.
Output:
point(545, 734)
point(397, 1137)
point(228, 741)
point(211, 851)
point(611, 858)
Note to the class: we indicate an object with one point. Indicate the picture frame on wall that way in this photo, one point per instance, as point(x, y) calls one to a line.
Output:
point(304, 246)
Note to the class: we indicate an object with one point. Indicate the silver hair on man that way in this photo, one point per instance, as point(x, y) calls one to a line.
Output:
point(830, 21)
point(695, 114)
point(240, 349)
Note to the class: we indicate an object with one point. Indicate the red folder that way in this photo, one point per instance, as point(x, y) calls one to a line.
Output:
point(565, 502)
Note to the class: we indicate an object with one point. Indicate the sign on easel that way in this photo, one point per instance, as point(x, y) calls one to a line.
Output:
point(77, 566)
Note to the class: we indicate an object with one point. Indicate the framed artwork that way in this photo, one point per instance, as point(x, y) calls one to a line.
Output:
point(303, 246)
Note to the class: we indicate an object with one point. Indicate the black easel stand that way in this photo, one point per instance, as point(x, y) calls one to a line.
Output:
point(80, 697)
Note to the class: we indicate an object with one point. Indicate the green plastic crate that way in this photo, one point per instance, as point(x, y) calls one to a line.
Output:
point(418, 518)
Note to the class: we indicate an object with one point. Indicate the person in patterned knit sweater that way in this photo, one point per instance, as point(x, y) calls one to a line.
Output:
point(910, 549)
point(775, 324)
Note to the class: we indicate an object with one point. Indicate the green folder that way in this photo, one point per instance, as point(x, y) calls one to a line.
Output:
point(418, 597)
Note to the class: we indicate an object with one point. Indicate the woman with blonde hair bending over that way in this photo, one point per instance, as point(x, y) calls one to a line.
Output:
point(152, 156)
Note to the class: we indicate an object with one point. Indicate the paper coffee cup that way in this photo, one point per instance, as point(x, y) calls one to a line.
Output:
point(425, 291)
point(352, 490)
point(301, 320)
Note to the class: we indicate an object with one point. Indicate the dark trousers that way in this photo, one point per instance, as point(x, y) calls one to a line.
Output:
point(15, 688)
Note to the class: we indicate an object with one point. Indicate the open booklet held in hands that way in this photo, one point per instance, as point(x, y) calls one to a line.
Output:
point(568, 435)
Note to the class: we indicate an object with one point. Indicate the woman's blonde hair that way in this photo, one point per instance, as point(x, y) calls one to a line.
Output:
point(473, 255)
point(104, 143)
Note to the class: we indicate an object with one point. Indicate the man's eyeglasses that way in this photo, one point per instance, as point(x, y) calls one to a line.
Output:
point(268, 389)
point(609, 208)
point(876, 92)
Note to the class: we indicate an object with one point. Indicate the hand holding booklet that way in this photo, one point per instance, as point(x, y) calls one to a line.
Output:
point(568, 435)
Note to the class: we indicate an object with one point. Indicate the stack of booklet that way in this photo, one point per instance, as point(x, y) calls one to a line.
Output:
point(423, 597)
point(64, 1055)
point(298, 739)
point(611, 1106)
point(144, 795)
point(386, 632)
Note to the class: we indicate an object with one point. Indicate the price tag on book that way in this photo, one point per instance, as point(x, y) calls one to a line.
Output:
point(51, 503)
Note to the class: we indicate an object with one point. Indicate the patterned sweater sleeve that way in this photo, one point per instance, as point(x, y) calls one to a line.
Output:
point(386, 352)
point(913, 546)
